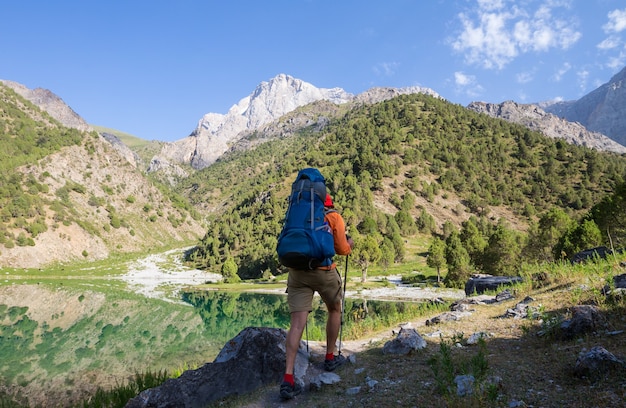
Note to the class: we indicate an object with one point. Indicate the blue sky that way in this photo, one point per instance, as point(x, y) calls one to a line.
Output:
point(152, 68)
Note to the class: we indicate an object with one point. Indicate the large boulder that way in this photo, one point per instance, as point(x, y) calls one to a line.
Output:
point(481, 283)
point(600, 252)
point(254, 358)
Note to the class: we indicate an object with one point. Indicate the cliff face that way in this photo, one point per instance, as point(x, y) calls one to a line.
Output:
point(602, 110)
point(215, 133)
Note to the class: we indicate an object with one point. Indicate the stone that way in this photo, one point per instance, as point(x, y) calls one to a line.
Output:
point(597, 361)
point(481, 283)
point(407, 341)
point(254, 358)
point(585, 319)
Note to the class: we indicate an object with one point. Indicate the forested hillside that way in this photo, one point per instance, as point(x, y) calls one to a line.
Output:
point(68, 195)
point(486, 188)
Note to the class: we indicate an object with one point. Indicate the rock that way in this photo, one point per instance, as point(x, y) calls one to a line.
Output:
point(254, 358)
point(600, 252)
point(464, 385)
point(619, 284)
point(478, 284)
point(521, 310)
point(51, 103)
point(447, 317)
point(280, 97)
point(600, 110)
point(475, 338)
point(585, 319)
point(596, 361)
point(504, 295)
point(324, 378)
point(408, 340)
point(353, 390)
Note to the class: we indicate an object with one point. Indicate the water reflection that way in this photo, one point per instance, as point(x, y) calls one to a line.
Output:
point(225, 314)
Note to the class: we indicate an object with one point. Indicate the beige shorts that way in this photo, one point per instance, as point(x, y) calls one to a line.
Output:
point(301, 286)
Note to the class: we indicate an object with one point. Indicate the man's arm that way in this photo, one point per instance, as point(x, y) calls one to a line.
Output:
point(343, 245)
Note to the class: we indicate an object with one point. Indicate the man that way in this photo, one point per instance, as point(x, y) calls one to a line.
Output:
point(301, 285)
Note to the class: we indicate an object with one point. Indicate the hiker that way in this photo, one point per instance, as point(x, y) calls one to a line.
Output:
point(301, 284)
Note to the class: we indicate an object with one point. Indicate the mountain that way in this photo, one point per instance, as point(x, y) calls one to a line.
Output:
point(51, 103)
point(103, 188)
point(216, 133)
point(535, 118)
point(68, 195)
point(601, 110)
point(410, 163)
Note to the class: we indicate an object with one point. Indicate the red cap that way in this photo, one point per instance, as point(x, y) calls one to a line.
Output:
point(329, 201)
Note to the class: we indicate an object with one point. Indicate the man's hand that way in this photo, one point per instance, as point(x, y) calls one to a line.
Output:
point(350, 242)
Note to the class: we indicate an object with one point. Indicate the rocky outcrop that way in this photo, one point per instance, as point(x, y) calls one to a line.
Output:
point(215, 133)
point(254, 358)
point(379, 94)
point(60, 111)
point(129, 155)
point(601, 110)
point(407, 341)
point(535, 118)
point(51, 103)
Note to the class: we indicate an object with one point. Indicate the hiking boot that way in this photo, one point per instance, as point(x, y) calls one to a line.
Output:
point(288, 391)
point(338, 360)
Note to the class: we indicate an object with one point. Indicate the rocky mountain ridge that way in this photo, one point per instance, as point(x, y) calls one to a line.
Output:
point(260, 112)
point(601, 110)
point(216, 133)
point(535, 118)
point(50, 103)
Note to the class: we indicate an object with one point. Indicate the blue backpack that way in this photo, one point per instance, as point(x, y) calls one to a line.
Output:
point(306, 241)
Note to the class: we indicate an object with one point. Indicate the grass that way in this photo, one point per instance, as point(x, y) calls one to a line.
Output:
point(120, 395)
point(517, 363)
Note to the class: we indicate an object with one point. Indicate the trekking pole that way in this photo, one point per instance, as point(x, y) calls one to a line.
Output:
point(343, 303)
point(306, 328)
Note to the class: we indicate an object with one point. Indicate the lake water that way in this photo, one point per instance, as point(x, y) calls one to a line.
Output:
point(60, 340)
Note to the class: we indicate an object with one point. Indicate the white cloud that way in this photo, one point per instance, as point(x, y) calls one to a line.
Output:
point(467, 84)
point(562, 71)
point(583, 76)
point(617, 22)
point(615, 25)
point(525, 77)
point(610, 42)
point(490, 4)
point(618, 61)
point(386, 68)
point(463, 80)
point(499, 31)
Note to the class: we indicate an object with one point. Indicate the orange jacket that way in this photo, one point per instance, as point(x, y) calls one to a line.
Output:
point(336, 223)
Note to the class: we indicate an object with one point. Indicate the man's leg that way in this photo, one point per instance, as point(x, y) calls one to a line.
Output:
point(294, 335)
point(333, 325)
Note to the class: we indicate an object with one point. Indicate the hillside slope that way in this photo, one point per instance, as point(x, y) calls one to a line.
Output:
point(68, 195)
